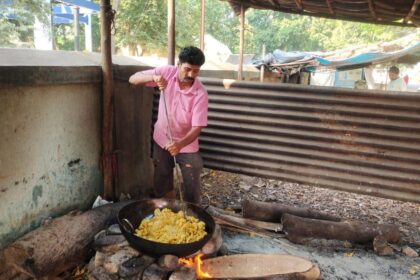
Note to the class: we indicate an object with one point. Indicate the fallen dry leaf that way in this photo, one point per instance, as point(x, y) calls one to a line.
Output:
point(413, 270)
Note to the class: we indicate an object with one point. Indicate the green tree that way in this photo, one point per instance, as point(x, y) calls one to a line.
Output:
point(16, 28)
point(142, 22)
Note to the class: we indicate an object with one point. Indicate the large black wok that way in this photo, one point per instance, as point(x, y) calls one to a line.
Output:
point(136, 211)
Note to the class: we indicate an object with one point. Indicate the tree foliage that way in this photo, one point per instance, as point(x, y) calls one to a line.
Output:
point(17, 27)
point(144, 23)
point(275, 30)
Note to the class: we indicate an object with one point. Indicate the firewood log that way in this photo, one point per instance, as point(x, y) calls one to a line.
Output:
point(58, 246)
point(272, 212)
point(223, 217)
point(359, 232)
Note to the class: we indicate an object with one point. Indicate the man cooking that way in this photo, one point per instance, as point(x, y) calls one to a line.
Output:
point(187, 106)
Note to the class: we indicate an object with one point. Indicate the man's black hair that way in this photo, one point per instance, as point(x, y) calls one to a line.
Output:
point(394, 69)
point(191, 55)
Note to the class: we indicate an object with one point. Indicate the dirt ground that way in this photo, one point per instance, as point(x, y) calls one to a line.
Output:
point(227, 190)
point(336, 259)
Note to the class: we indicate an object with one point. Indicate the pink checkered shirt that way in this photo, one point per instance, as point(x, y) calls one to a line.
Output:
point(186, 108)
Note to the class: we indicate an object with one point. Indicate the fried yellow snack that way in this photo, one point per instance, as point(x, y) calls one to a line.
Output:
point(169, 227)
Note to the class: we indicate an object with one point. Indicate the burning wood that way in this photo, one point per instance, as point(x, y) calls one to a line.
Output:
point(196, 264)
point(122, 263)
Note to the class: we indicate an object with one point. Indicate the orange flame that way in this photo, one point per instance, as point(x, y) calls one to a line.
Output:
point(196, 264)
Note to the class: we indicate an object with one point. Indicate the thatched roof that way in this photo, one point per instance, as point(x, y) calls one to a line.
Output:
point(390, 12)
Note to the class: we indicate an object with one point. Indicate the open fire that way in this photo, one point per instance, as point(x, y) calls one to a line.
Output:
point(195, 263)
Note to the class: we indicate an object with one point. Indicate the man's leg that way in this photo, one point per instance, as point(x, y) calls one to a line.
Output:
point(163, 176)
point(191, 165)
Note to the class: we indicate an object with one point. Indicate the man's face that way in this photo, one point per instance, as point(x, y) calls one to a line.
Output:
point(393, 76)
point(188, 72)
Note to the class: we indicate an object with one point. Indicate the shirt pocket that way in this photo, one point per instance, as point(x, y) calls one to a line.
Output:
point(184, 118)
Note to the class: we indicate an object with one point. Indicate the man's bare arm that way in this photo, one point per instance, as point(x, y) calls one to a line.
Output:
point(140, 78)
point(175, 148)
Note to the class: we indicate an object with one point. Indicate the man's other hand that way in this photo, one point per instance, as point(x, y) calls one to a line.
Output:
point(173, 148)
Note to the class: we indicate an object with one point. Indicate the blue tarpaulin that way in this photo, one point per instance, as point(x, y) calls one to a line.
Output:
point(308, 61)
point(63, 13)
point(82, 4)
point(407, 55)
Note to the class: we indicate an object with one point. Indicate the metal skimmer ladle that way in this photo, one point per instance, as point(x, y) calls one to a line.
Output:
point(177, 172)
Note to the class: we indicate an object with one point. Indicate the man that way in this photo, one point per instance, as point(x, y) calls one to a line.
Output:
point(396, 83)
point(187, 106)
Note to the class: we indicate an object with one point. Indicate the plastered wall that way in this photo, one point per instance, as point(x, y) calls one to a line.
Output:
point(49, 153)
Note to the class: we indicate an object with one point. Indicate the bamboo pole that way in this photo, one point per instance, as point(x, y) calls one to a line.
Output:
point(171, 32)
point(107, 99)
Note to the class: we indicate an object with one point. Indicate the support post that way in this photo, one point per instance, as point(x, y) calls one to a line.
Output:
point(171, 32)
point(202, 27)
point(88, 34)
point(262, 66)
point(76, 16)
point(108, 106)
point(241, 43)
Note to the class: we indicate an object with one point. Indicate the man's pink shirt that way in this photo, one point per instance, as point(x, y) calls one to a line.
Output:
point(186, 108)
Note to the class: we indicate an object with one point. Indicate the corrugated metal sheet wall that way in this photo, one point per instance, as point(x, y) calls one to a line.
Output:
point(365, 142)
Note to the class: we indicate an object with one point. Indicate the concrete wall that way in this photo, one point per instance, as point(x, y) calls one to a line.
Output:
point(49, 153)
point(50, 145)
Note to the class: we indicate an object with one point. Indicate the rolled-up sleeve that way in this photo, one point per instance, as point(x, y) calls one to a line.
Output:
point(161, 71)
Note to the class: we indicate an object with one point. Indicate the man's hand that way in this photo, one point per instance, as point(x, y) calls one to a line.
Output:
point(160, 81)
point(173, 148)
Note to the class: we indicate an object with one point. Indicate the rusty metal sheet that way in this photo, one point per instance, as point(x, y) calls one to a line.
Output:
point(358, 141)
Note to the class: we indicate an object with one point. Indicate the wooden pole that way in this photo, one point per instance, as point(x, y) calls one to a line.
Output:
point(107, 100)
point(202, 29)
point(241, 43)
point(262, 66)
point(171, 32)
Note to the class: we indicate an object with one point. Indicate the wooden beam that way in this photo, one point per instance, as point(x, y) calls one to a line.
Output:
point(202, 22)
point(412, 11)
point(330, 6)
point(372, 9)
point(171, 32)
point(107, 100)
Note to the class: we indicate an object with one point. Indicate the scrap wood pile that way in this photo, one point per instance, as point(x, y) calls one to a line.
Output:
point(296, 223)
